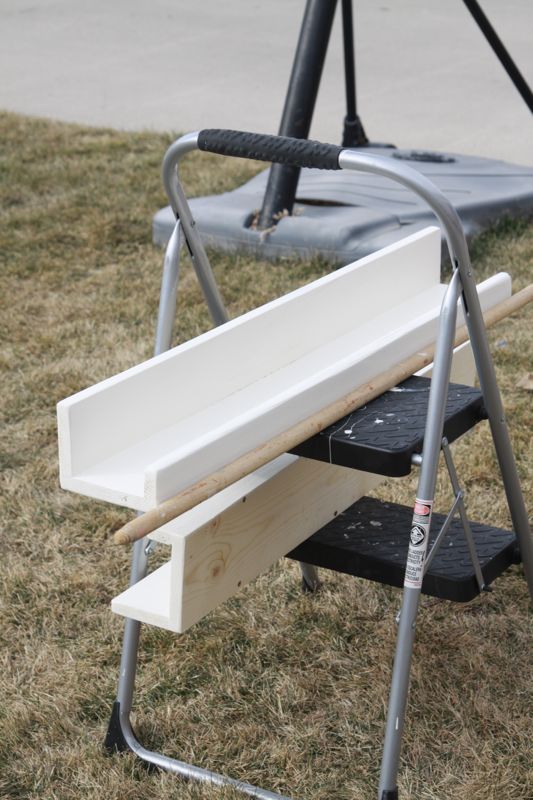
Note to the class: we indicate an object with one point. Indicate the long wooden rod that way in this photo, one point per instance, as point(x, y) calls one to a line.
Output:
point(249, 462)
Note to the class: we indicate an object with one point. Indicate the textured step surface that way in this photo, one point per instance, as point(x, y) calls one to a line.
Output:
point(383, 435)
point(371, 538)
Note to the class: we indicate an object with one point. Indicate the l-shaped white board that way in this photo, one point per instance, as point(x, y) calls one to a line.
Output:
point(142, 436)
point(227, 541)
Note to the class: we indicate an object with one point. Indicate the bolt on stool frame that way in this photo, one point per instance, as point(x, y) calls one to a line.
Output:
point(303, 153)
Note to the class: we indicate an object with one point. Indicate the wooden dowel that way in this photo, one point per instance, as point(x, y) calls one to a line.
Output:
point(249, 462)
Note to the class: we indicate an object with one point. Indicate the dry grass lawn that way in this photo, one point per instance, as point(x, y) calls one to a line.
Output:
point(286, 690)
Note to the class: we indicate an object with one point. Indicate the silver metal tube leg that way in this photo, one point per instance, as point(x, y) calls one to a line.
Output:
point(181, 208)
point(128, 668)
point(419, 540)
point(132, 628)
point(139, 564)
point(310, 577)
point(169, 291)
point(502, 440)
point(442, 533)
point(190, 772)
point(462, 512)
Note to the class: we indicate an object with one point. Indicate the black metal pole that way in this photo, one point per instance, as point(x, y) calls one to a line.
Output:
point(353, 134)
point(299, 104)
point(499, 48)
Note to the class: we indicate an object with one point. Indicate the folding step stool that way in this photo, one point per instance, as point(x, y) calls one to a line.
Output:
point(420, 417)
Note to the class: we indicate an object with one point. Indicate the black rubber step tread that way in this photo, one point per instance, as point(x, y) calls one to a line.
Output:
point(371, 538)
point(382, 436)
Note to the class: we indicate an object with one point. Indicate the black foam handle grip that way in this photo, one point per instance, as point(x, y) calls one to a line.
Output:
point(276, 149)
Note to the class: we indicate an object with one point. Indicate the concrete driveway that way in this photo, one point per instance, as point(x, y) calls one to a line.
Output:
point(426, 76)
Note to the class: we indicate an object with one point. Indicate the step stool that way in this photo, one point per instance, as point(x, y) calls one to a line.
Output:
point(370, 539)
point(163, 427)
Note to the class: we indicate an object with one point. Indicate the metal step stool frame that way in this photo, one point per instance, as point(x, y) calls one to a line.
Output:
point(462, 285)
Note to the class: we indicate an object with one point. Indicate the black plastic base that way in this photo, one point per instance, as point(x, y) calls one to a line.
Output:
point(371, 538)
point(308, 588)
point(389, 794)
point(114, 741)
point(344, 215)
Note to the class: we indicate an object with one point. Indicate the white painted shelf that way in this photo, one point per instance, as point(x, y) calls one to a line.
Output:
point(141, 436)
